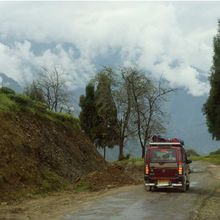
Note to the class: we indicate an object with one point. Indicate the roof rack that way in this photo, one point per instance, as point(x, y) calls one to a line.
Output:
point(166, 143)
point(157, 140)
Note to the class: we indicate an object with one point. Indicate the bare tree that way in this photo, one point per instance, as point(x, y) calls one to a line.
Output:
point(53, 86)
point(147, 101)
point(34, 92)
point(123, 101)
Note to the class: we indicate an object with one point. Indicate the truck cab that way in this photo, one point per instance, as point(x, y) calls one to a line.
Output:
point(166, 164)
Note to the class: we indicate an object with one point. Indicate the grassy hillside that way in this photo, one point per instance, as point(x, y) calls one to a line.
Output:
point(40, 150)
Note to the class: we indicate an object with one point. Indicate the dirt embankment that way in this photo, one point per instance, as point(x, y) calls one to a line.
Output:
point(44, 164)
point(113, 175)
point(89, 188)
point(38, 154)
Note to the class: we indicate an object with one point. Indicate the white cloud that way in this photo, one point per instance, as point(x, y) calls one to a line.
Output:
point(20, 63)
point(149, 35)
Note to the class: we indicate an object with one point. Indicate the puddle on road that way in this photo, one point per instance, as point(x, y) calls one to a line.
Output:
point(212, 166)
point(193, 183)
point(197, 170)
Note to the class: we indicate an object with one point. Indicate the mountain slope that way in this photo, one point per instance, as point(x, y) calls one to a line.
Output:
point(9, 82)
point(187, 121)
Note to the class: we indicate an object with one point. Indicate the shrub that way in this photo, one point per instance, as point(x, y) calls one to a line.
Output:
point(40, 106)
point(22, 100)
point(6, 103)
point(192, 152)
point(52, 182)
point(215, 152)
point(67, 118)
point(6, 90)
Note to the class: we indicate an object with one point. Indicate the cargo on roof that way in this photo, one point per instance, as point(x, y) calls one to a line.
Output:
point(157, 140)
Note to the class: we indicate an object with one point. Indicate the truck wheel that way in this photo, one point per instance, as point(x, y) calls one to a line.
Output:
point(184, 185)
point(187, 185)
point(149, 188)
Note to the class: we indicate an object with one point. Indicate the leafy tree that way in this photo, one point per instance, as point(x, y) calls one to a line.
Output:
point(88, 115)
point(106, 121)
point(125, 104)
point(212, 106)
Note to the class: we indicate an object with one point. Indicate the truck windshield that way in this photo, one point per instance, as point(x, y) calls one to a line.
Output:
point(163, 155)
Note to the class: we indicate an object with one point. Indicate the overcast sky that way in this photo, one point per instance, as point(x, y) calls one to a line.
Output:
point(169, 39)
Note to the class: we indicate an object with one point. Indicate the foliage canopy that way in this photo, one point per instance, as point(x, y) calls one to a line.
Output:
point(212, 106)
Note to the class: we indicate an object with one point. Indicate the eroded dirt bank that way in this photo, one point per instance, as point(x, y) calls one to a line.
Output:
point(97, 184)
point(41, 154)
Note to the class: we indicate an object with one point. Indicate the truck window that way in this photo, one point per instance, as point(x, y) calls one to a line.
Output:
point(163, 155)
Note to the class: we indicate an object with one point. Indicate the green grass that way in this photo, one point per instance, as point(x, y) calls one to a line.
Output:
point(6, 104)
point(65, 118)
point(51, 182)
point(18, 103)
point(81, 187)
point(213, 158)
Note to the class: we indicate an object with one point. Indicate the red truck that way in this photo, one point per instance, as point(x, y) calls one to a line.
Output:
point(166, 164)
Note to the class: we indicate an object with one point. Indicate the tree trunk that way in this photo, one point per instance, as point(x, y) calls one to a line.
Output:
point(121, 151)
point(143, 151)
point(104, 152)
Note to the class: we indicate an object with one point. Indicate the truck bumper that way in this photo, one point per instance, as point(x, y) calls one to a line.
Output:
point(168, 182)
point(164, 185)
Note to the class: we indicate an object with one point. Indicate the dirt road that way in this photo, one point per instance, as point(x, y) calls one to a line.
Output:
point(202, 201)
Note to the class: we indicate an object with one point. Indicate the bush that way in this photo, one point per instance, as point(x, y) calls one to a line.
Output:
point(6, 90)
point(66, 119)
point(22, 100)
point(215, 152)
point(52, 182)
point(6, 103)
point(40, 106)
point(192, 152)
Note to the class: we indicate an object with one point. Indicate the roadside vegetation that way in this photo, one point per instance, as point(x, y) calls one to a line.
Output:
point(20, 103)
point(133, 161)
point(118, 104)
point(213, 157)
point(211, 108)
point(123, 103)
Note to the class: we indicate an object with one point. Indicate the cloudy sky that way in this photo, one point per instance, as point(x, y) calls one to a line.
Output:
point(169, 39)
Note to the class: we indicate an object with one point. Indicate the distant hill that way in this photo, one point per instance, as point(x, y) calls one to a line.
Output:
point(9, 82)
point(187, 121)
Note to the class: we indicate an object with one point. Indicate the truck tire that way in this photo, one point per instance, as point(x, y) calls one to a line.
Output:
point(184, 185)
point(149, 188)
point(187, 185)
